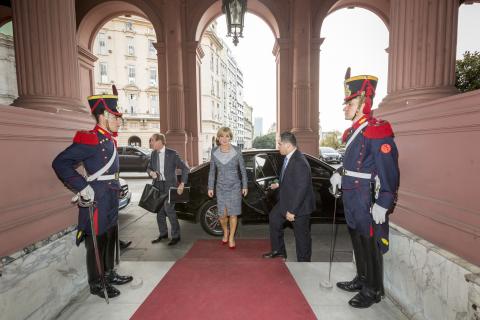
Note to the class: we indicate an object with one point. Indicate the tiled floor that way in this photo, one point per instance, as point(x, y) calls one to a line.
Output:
point(148, 263)
point(332, 303)
point(328, 304)
point(146, 277)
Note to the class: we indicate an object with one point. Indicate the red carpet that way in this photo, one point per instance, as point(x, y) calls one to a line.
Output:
point(213, 282)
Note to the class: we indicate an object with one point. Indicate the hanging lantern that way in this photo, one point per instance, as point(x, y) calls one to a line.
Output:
point(235, 12)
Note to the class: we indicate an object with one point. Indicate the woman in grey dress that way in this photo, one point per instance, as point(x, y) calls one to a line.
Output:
point(225, 163)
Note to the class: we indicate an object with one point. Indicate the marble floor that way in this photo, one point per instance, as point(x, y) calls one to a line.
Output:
point(328, 304)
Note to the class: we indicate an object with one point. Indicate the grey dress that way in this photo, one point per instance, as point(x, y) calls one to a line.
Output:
point(228, 187)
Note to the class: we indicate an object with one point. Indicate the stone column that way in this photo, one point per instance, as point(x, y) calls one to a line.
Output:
point(302, 110)
point(422, 51)
point(315, 44)
point(86, 62)
point(192, 101)
point(176, 135)
point(281, 51)
point(46, 55)
point(162, 84)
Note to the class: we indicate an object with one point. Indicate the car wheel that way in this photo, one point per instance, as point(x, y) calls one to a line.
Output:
point(209, 218)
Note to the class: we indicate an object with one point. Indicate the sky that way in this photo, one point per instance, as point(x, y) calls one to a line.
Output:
point(340, 49)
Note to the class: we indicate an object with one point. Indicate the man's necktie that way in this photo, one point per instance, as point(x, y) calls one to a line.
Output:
point(285, 163)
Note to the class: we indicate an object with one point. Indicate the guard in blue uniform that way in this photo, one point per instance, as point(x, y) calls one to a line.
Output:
point(96, 150)
point(369, 181)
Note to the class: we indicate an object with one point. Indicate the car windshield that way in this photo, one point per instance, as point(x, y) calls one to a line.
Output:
point(327, 150)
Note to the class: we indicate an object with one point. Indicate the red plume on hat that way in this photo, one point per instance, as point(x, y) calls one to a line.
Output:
point(362, 85)
point(347, 73)
point(105, 102)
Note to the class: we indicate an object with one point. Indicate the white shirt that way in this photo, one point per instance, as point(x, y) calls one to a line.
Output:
point(161, 163)
point(290, 155)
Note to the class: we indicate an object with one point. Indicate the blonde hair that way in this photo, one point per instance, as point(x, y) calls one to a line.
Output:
point(223, 131)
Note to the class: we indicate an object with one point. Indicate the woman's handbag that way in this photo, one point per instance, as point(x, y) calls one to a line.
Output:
point(152, 198)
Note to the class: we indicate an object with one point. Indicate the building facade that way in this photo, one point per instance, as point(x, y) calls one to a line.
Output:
point(258, 127)
point(248, 125)
point(127, 58)
point(8, 76)
point(221, 93)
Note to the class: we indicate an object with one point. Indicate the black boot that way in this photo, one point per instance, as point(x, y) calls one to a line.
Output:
point(357, 283)
point(96, 288)
point(373, 288)
point(364, 300)
point(352, 286)
point(125, 244)
point(113, 278)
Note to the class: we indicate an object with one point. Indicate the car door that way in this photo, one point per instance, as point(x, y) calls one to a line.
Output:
point(324, 201)
point(131, 157)
point(260, 199)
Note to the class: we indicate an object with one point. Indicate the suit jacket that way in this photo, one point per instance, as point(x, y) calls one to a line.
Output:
point(295, 193)
point(172, 162)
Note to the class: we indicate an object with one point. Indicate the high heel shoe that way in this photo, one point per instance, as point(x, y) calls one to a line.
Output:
point(231, 247)
point(224, 242)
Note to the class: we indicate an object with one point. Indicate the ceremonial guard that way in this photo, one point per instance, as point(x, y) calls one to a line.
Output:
point(369, 181)
point(97, 192)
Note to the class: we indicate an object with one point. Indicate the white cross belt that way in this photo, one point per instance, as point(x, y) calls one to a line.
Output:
point(356, 174)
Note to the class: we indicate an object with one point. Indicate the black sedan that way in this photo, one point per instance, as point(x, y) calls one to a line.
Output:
point(263, 166)
point(133, 159)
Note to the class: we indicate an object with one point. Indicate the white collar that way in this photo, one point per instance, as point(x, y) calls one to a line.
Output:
point(290, 154)
point(162, 150)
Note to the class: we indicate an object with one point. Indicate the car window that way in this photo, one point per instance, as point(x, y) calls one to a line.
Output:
point(263, 167)
point(318, 170)
point(250, 167)
point(132, 152)
point(327, 149)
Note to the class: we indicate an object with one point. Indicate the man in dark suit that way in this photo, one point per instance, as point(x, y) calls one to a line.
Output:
point(162, 167)
point(296, 202)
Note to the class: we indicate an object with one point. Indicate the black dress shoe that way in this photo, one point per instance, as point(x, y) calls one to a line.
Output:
point(352, 286)
point(361, 300)
point(160, 238)
point(274, 254)
point(97, 289)
point(114, 278)
point(174, 241)
point(124, 245)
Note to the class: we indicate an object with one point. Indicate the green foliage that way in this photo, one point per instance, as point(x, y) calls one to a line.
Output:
point(267, 141)
point(332, 140)
point(467, 72)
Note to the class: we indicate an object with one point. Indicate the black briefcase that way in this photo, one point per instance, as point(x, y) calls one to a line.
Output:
point(174, 197)
point(152, 198)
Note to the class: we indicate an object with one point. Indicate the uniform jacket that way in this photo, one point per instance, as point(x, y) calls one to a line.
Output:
point(93, 149)
point(373, 151)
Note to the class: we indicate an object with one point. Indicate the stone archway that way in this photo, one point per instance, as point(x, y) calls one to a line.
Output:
point(380, 7)
point(90, 21)
point(205, 13)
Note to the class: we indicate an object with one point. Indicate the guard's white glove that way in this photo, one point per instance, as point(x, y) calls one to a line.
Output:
point(378, 214)
point(336, 181)
point(87, 194)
